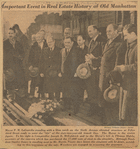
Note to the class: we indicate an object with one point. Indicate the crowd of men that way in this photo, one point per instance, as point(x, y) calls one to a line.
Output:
point(111, 61)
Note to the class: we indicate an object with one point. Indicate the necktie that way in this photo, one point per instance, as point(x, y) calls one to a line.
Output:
point(89, 46)
point(66, 52)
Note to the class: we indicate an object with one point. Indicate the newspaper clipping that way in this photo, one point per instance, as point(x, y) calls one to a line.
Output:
point(69, 74)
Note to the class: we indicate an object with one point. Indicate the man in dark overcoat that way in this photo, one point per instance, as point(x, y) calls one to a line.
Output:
point(129, 106)
point(72, 94)
point(13, 55)
point(113, 54)
point(52, 69)
point(93, 58)
point(37, 59)
point(20, 37)
point(83, 50)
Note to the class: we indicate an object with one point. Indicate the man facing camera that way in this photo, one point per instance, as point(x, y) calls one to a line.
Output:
point(37, 63)
point(52, 69)
point(71, 91)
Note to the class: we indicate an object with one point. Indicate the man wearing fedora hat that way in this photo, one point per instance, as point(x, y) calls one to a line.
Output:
point(93, 59)
point(37, 64)
point(13, 55)
point(52, 69)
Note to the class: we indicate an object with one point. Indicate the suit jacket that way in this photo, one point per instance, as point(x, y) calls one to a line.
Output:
point(52, 64)
point(25, 44)
point(72, 87)
point(53, 59)
point(82, 53)
point(23, 41)
point(96, 48)
point(70, 63)
point(37, 57)
point(109, 60)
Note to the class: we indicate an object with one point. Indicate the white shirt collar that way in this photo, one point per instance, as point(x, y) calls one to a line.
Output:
point(41, 44)
point(52, 48)
point(110, 40)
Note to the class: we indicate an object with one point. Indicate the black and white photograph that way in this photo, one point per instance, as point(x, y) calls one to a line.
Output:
point(70, 68)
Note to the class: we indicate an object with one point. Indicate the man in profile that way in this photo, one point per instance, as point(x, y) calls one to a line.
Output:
point(129, 71)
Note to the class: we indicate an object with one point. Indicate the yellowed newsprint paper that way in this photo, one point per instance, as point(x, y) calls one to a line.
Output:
point(69, 74)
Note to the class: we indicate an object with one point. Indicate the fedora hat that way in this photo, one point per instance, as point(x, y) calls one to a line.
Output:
point(112, 93)
point(34, 72)
point(9, 75)
point(115, 77)
point(83, 71)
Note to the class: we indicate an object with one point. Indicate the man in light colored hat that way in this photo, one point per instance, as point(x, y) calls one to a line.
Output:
point(36, 59)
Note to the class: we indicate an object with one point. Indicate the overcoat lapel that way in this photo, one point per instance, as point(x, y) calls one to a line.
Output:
point(110, 46)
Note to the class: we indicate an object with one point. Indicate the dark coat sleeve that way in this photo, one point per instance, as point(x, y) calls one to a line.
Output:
point(5, 58)
point(133, 66)
point(75, 61)
point(57, 60)
point(120, 54)
point(20, 50)
point(97, 52)
point(25, 43)
point(31, 56)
